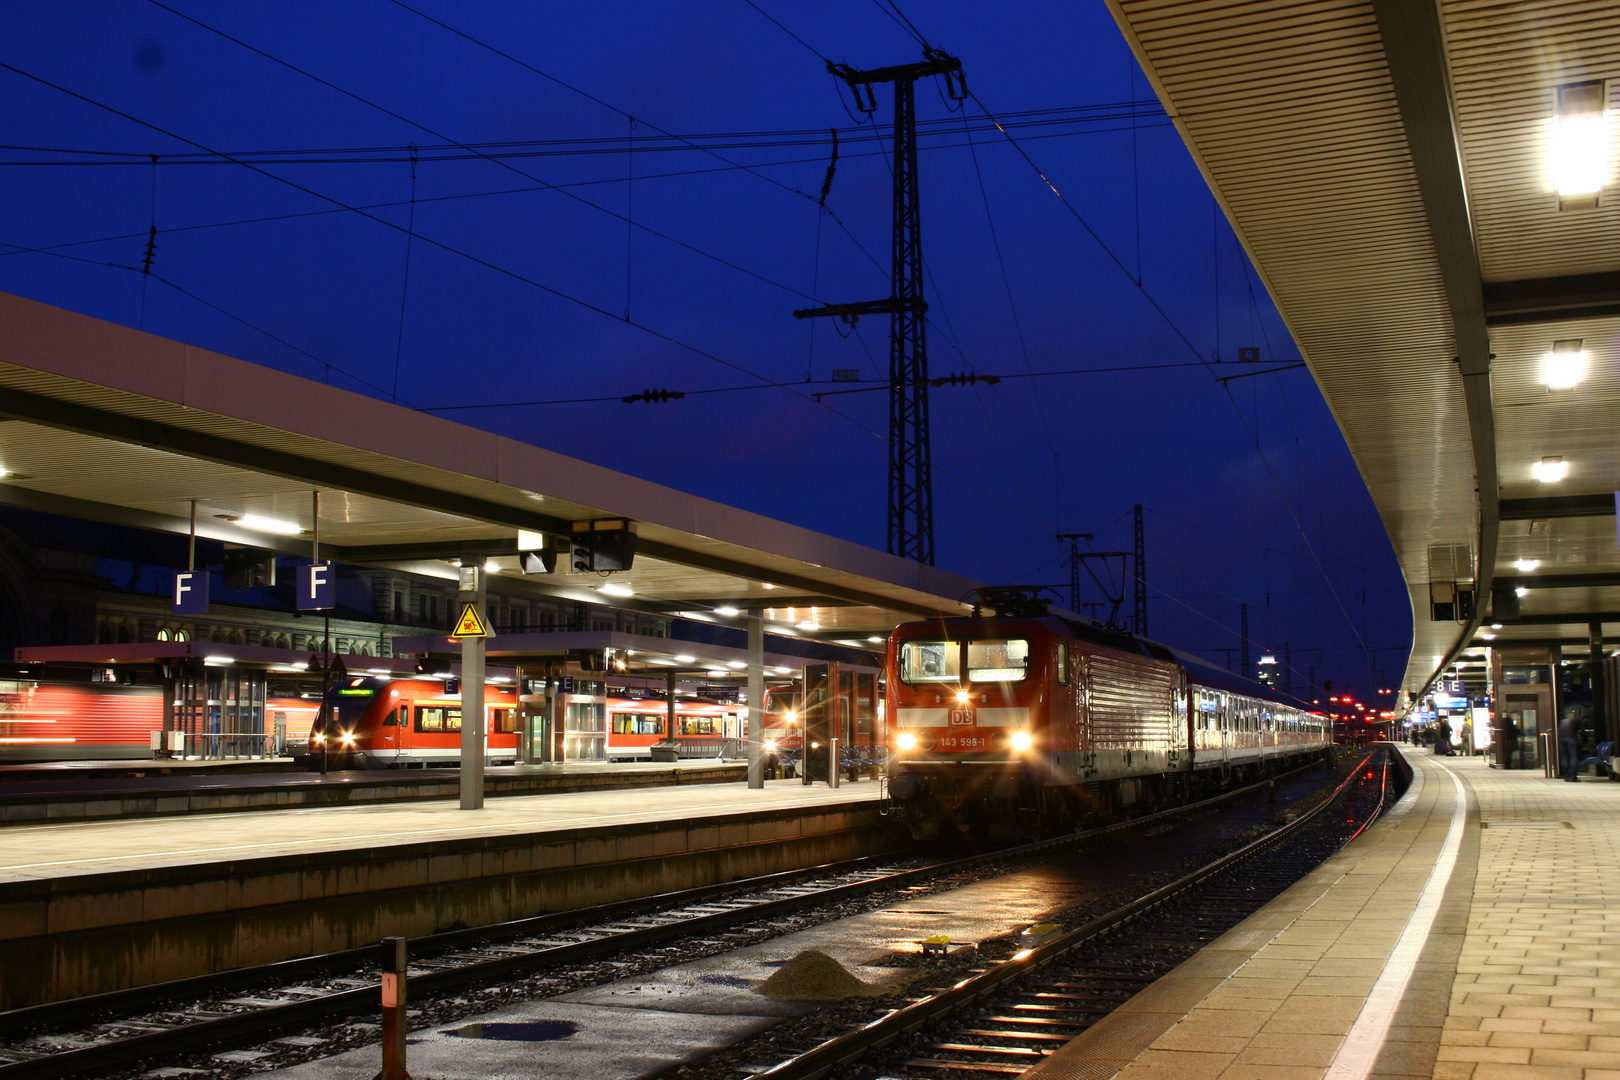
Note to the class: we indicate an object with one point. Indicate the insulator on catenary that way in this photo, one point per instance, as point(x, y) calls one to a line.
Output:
point(654, 397)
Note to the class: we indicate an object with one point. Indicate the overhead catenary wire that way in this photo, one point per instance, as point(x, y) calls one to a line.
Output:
point(887, 5)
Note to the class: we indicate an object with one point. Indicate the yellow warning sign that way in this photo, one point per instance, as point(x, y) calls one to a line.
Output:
point(471, 623)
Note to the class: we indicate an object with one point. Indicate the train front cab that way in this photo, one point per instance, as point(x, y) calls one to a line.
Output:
point(381, 723)
point(980, 709)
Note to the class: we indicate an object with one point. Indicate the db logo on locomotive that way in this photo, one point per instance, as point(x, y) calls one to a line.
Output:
point(961, 718)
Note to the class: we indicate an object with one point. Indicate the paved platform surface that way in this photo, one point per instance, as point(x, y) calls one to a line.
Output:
point(68, 779)
point(1473, 934)
point(56, 851)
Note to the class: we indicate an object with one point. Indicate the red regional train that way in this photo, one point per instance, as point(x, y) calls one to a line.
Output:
point(52, 719)
point(380, 723)
point(1040, 722)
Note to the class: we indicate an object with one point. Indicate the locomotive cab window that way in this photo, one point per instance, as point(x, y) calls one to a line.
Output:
point(998, 661)
point(930, 661)
point(1063, 663)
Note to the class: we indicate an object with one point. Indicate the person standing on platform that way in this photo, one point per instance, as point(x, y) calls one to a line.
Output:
point(1569, 748)
point(1442, 737)
point(1466, 736)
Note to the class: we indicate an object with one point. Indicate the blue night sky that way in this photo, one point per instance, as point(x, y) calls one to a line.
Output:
point(521, 270)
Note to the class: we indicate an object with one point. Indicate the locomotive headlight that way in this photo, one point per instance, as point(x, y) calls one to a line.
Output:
point(905, 740)
point(770, 744)
point(1021, 740)
point(791, 717)
point(962, 696)
point(348, 738)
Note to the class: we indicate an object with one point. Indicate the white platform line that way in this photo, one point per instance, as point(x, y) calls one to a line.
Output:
point(1359, 1052)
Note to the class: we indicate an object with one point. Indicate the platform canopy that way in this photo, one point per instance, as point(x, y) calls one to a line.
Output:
point(115, 425)
point(1394, 170)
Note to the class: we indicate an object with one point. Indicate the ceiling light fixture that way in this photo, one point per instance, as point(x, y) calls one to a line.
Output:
point(1521, 592)
point(728, 611)
point(685, 658)
point(263, 524)
point(616, 590)
point(1565, 366)
point(1578, 158)
point(1525, 566)
point(1550, 470)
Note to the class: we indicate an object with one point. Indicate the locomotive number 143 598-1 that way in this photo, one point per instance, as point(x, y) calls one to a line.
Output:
point(963, 741)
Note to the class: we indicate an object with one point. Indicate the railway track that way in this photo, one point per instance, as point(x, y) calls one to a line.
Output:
point(111, 1032)
point(1003, 1019)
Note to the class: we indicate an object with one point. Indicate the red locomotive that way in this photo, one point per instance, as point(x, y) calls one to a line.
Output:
point(1042, 722)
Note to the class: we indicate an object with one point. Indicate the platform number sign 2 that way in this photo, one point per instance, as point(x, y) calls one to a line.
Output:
point(191, 592)
point(317, 587)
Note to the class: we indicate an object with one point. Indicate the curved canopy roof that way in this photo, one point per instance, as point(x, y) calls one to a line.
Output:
point(112, 424)
point(1389, 165)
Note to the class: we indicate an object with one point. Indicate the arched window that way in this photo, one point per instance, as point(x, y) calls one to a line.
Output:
point(105, 634)
point(182, 635)
point(163, 633)
point(125, 634)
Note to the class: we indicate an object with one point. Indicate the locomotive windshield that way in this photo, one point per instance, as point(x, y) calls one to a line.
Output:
point(1002, 660)
point(997, 661)
point(930, 661)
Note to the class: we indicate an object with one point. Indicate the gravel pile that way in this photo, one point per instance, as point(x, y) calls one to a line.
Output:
point(815, 976)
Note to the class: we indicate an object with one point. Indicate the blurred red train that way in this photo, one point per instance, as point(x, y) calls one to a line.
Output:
point(47, 720)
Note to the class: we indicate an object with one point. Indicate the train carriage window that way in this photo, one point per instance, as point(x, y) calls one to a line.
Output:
point(625, 723)
point(930, 661)
point(695, 725)
point(1063, 663)
point(502, 721)
point(997, 661)
point(437, 718)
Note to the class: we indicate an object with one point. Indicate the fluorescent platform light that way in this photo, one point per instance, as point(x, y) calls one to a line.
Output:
point(492, 567)
point(1565, 366)
point(1525, 566)
point(259, 523)
point(219, 659)
point(1578, 157)
point(783, 671)
point(1550, 470)
point(1521, 592)
point(685, 659)
point(727, 611)
point(809, 624)
point(716, 673)
point(616, 590)
point(735, 664)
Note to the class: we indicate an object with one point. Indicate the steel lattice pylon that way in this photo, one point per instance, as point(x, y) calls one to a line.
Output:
point(911, 480)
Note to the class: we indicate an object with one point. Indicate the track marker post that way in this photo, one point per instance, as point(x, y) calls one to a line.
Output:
point(394, 1025)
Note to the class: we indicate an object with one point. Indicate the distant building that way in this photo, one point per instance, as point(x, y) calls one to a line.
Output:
point(1268, 671)
point(69, 582)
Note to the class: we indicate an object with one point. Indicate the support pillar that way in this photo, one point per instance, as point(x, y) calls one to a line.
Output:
point(472, 689)
point(756, 698)
point(669, 705)
point(1603, 725)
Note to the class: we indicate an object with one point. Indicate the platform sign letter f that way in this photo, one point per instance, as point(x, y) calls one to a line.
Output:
point(191, 592)
point(317, 591)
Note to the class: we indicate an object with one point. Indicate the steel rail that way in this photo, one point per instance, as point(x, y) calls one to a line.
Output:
point(281, 1016)
point(853, 1045)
